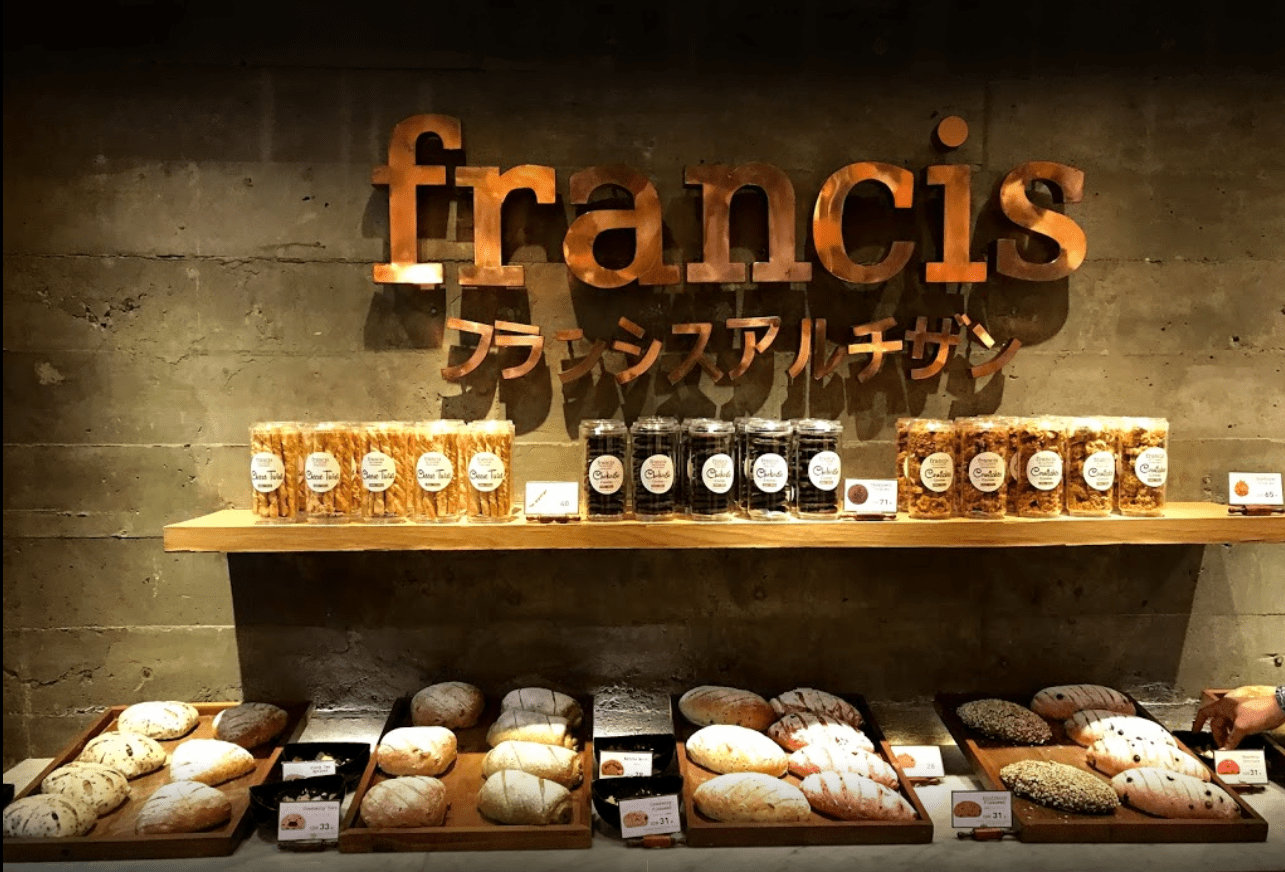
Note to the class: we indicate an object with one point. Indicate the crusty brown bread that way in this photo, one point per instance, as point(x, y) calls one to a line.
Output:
point(852, 797)
point(416, 751)
point(712, 704)
point(408, 801)
point(809, 699)
point(250, 724)
point(1062, 701)
point(800, 729)
point(451, 704)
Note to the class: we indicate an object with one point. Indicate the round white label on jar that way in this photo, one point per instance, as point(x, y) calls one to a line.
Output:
point(1044, 470)
point(986, 471)
point(937, 471)
point(485, 471)
point(1152, 467)
point(825, 471)
point(378, 471)
point(267, 472)
point(657, 473)
point(719, 473)
point(433, 471)
point(606, 474)
point(321, 471)
point(771, 473)
point(1099, 470)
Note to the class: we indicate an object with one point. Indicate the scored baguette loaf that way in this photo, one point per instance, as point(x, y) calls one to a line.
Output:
point(1115, 754)
point(852, 797)
point(210, 761)
point(183, 807)
point(408, 801)
point(129, 754)
point(727, 748)
point(250, 724)
point(1168, 794)
point(751, 797)
point(158, 720)
point(1086, 727)
point(544, 701)
point(417, 751)
point(544, 761)
point(100, 787)
point(800, 729)
point(512, 796)
point(809, 699)
point(527, 726)
point(712, 704)
point(811, 759)
point(451, 704)
point(1062, 701)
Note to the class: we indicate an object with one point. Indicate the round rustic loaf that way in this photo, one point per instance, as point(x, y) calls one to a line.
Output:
point(1005, 721)
point(416, 751)
point(183, 807)
point(1063, 700)
point(158, 720)
point(751, 797)
point(129, 754)
point(250, 724)
point(544, 701)
point(809, 699)
point(1168, 794)
point(712, 704)
point(822, 757)
point(800, 729)
point(408, 801)
point(451, 704)
point(1060, 786)
point(47, 815)
point(852, 797)
point(100, 787)
point(512, 796)
point(727, 748)
point(210, 761)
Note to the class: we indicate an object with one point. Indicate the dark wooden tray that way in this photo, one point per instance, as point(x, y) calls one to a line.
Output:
point(703, 832)
point(113, 836)
point(1036, 823)
point(465, 829)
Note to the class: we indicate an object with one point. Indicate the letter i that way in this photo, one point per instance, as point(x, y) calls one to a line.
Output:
point(956, 230)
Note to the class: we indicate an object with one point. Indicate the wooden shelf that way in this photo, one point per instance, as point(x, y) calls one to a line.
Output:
point(236, 530)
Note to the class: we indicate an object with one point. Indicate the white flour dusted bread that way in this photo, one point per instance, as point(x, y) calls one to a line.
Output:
point(1086, 727)
point(409, 801)
point(44, 816)
point(1115, 754)
point(544, 761)
point(100, 787)
point(710, 704)
point(1062, 701)
point(129, 754)
point(183, 807)
point(210, 761)
point(543, 701)
point(158, 720)
point(809, 699)
point(852, 797)
point(250, 724)
point(527, 726)
point(800, 729)
point(751, 797)
point(416, 751)
point(451, 704)
point(812, 759)
point(726, 748)
point(515, 797)
point(1173, 795)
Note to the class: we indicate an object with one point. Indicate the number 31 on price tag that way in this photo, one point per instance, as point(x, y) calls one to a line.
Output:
point(981, 808)
point(652, 815)
point(1241, 767)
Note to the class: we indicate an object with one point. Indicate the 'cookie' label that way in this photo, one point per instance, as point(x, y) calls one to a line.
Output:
point(719, 473)
point(1152, 467)
point(1099, 470)
point(986, 471)
point(321, 471)
point(657, 473)
point(267, 472)
point(378, 471)
point(485, 471)
point(1044, 470)
point(606, 474)
point(770, 473)
point(937, 471)
point(824, 471)
point(434, 471)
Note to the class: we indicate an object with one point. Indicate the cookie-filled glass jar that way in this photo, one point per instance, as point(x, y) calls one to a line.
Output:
point(930, 468)
point(276, 471)
point(711, 469)
point(488, 470)
point(436, 448)
point(1092, 455)
point(332, 483)
point(982, 467)
point(817, 471)
point(654, 467)
point(1144, 466)
point(1041, 483)
point(386, 469)
point(903, 464)
point(767, 465)
point(604, 482)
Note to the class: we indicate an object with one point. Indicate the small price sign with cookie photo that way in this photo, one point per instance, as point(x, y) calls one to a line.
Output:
point(304, 821)
point(649, 816)
point(981, 808)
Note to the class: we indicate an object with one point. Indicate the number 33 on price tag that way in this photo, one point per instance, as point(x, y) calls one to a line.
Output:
point(981, 808)
point(301, 821)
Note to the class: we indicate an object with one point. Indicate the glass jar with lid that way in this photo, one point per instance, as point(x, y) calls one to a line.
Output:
point(1092, 456)
point(488, 470)
point(604, 482)
point(1144, 466)
point(930, 468)
point(654, 467)
point(1041, 483)
point(711, 469)
point(436, 453)
point(767, 465)
point(330, 471)
point(386, 471)
point(817, 469)
point(276, 471)
point(982, 467)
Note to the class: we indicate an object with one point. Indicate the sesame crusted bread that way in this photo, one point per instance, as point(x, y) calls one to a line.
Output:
point(711, 704)
point(812, 759)
point(751, 797)
point(1062, 701)
point(800, 729)
point(1005, 721)
point(1173, 795)
point(1086, 727)
point(158, 720)
point(852, 797)
point(1060, 786)
point(809, 699)
point(1115, 754)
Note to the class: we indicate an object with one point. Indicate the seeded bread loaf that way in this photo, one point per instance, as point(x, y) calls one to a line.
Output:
point(416, 751)
point(544, 701)
point(1115, 754)
point(408, 801)
point(250, 724)
point(800, 729)
point(1168, 794)
point(711, 704)
point(1005, 721)
point(809, 699)
point(1062, 701)
point(210, 761)
point(852, 797)
point(726, 748)
point(511, 796)
point(544, 761)
point(1086, 727)
point(1059, 786)
point(183, 807)
point(812, 759)
point(451, 704)
point(100, 787)
point(751, 797)
point(158, 720)
point(528, 726)
point(129, 754)
point(47, 815)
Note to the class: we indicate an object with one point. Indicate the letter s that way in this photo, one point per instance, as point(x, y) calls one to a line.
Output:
point(1018, 208)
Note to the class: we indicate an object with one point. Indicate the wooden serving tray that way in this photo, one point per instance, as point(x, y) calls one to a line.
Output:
point(113, 836)
point(704, 832)
point(465, 829)
point(1037, 823)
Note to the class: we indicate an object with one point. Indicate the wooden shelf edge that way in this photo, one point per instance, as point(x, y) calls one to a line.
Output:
point(236, 531)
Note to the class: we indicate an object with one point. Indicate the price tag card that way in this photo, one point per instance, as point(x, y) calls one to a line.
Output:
point(919, 761)
point(1241, 767)
point(649, 816)
point(1254, 489)
point(870, 496)
point(616, 764)
point(552, 499)
point(307, 769)
point(981, 808)
point(301, 821)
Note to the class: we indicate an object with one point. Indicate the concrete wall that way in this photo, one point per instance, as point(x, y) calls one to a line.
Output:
point(187, 247)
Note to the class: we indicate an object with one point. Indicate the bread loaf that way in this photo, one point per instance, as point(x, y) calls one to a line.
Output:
point(822, 757)
point(543, 701)
point(210, 761)
point(409, 801)
point(511, 796)
point(543, 761)
point(852, 797)
point(158, 720)
point(250, 724)
point(521, 725)
point(1173, 795)
point(1005, 721)
point(725, 748)
point(100, 787)
point(47, 815)
point(129, 754)
point(800, 729)
point(183, 807)
point(809, 699)
point(416, 751)
point(710, 704)
point(1086, 727)
point(1115, 754)
point(1059, 786)
point(451, 704)
point(751, 797)
point(1062, 701)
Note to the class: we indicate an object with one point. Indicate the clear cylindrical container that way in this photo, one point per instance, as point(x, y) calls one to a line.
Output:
point(1041, 483)
point(276, 471)
point(331, 480)
point(604, 486)
point(930, 468)
point(711, 469)
point(742, 478)
point(817, 468)
point(386, 471)
point(767, 464)
point(436, 457)
point(1014, 460)
point(903, 464)
point(982, 467)
point(1144, 466)
point(488, 471)
point(1092, 455)
point(654, 468)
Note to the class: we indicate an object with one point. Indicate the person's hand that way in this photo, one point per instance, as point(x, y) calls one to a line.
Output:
point(1231, 719)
